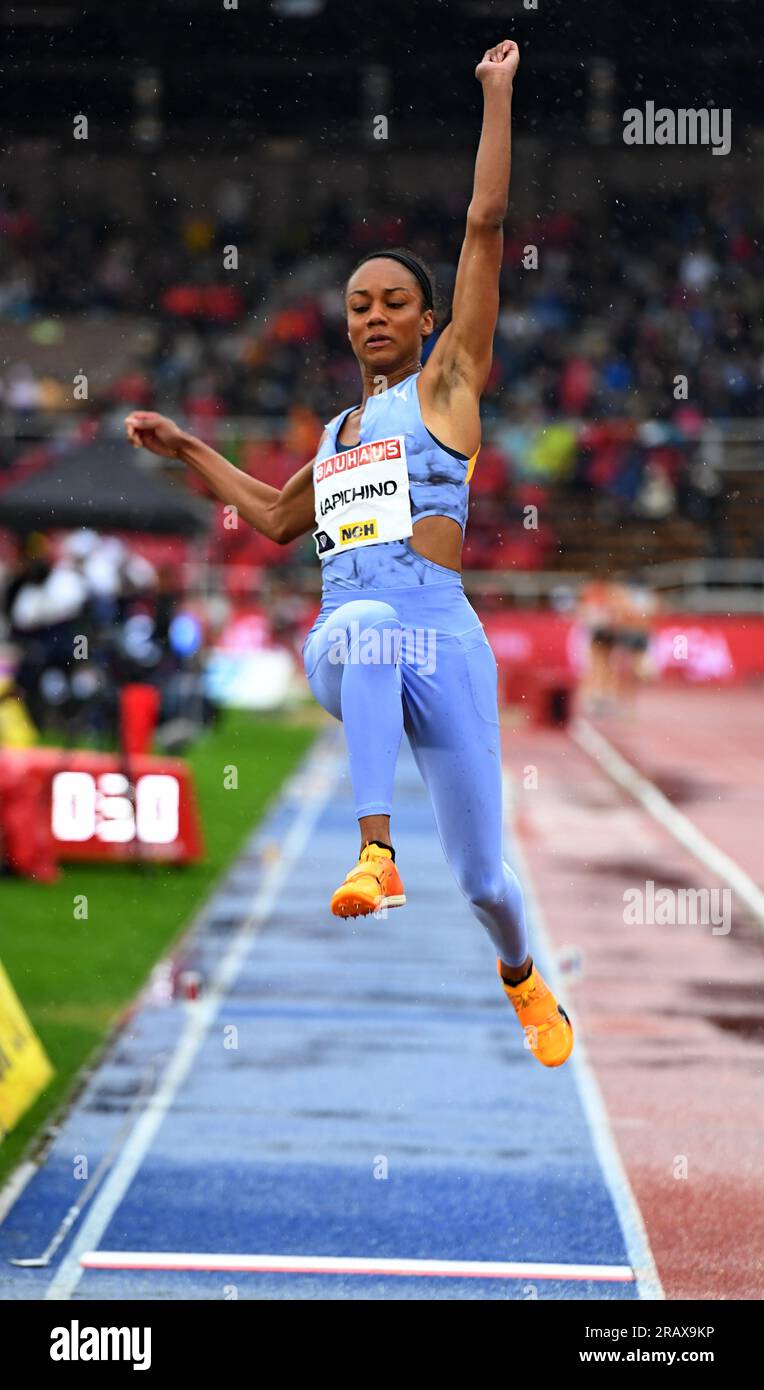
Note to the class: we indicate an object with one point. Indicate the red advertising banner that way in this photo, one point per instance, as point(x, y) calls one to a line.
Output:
point(690, 647)
point(60, 804)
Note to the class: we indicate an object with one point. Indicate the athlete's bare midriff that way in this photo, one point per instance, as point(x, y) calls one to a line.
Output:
point(437, 538)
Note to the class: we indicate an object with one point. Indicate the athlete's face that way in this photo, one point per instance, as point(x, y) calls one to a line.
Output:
point(386, 321)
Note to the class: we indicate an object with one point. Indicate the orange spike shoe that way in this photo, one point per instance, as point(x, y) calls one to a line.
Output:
point(373, 883)
point(548, 1030)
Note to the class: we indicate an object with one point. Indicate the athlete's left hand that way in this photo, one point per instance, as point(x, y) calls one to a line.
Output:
point(499, 64)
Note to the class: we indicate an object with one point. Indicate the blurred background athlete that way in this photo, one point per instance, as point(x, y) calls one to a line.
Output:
point(396, 644)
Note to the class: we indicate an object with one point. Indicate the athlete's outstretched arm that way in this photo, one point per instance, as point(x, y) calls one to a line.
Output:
point(282, 514)
point(466, 346)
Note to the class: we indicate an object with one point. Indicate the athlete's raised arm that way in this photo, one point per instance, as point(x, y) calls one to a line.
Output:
point(462, 355)
point(282, 514)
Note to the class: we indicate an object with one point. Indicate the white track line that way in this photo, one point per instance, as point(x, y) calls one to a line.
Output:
point(332, 1264)
point(323, 768)
point(660, 808)
point(15, 1185)
point(603, 1140)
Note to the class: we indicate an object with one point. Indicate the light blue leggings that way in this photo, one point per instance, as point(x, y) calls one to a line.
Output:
point(417, 658)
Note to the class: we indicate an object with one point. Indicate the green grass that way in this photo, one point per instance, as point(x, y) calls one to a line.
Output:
point(74, 978)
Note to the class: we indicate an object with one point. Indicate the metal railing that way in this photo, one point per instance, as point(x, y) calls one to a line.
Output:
point(692, 586)
point(709, 586)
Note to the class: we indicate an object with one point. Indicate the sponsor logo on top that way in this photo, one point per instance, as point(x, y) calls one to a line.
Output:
point(378, 451)
point(358, 531)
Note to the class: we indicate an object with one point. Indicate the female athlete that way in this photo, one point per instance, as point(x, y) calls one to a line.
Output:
point(396, 644)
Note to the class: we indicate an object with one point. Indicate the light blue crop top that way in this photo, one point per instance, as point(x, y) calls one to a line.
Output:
point(438, 476)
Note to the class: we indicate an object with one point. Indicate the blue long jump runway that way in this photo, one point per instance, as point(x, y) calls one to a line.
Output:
point(347, 1095)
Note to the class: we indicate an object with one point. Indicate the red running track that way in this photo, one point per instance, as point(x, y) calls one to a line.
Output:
point(704, 749)
point(672, 1015)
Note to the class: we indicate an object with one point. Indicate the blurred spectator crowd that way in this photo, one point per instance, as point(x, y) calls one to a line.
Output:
point(616, 308)
point(81, 618)
point(587, 351)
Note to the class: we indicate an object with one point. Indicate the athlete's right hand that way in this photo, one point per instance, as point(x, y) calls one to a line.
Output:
point(148, 430)
point(498, 64)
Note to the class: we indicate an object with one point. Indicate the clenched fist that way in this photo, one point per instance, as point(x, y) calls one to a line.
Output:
point(499, 64)
point(148, 430)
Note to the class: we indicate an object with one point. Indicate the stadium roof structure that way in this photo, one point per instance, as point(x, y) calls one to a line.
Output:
point(101, 485)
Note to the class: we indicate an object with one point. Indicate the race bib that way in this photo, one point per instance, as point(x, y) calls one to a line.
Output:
point(362, 496)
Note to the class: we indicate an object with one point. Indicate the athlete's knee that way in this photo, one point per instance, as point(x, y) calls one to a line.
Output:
point(365, 631)
point(369, 612)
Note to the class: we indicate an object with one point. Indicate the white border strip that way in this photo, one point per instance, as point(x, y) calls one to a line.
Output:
point(603, 1140)
point(660, 808)
point(317, 789)
point(331, 1264)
